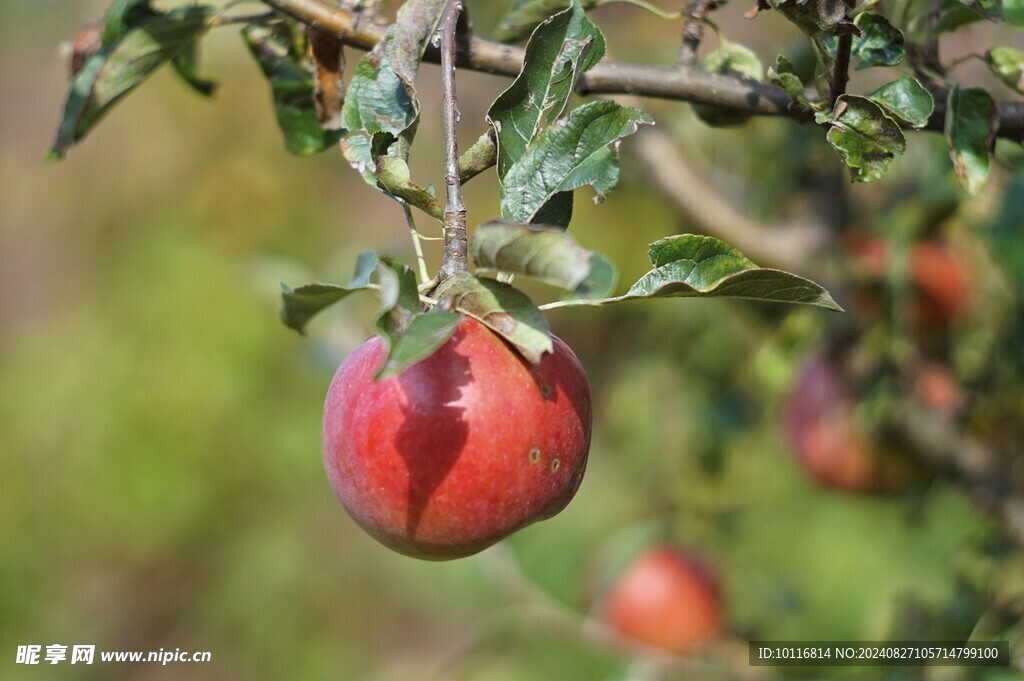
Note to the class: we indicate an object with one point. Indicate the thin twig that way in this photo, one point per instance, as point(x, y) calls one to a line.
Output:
point(693, 31)
point(610, 77)
point(841, 69)
point(455, 243)
point(416, 244)
point(233, 19)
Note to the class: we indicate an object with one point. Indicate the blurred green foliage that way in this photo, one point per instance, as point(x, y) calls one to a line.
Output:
point(160, 474)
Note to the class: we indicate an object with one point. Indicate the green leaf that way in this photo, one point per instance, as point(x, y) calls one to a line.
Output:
point(381, 107)
point(906, 99)
point(1007, 246)
point(393, 177)
point(731, 59)
point(424, 333)
point(525, 15)
point(501, 308)
point(695, 266)
point(953, 14)
point(299, 305)
point(1013, 13)
point(291, 84)
point(135, 52)
point(120, 18)
point(783, 75)
point(865, 138)
point(409, 333)
point(546, 254)
point(734, 59)
point(187, 66)
point(881, 43)
point(575, 153)
point(969, 131)
point(1008, 64)
point(562, 48)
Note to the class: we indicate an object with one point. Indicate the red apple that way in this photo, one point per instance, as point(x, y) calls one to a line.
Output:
point(664, 598)
point(828, 444)
point(936, 387)
point(941, 285)
point(462, 448)
point(938, 277)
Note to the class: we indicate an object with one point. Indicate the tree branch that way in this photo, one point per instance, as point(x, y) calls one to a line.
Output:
point(455, 245)
point(693, 31)
point(790, 246)
point(978, 470)
point(609, 77)
point(841, 70)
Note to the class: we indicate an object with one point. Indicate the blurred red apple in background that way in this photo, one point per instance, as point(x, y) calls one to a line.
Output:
point(939, 280)
point(824, 434)
point(664, 598)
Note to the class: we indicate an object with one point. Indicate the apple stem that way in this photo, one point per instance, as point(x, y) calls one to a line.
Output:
point(455, 242)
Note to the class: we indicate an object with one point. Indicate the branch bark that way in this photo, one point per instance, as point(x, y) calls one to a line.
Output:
point(977, 469)
point(455, 243)
point(609, 77)
point(693, 31)
point(841, 69)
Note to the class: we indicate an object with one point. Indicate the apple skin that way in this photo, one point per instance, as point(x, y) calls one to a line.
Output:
point(939, 279)
point(941, 285)
point(665, 599)
point(462, 448)
point(830, 448)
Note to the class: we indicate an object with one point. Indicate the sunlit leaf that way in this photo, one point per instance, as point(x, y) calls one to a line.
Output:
point(424, 334)
point(501, 308)
point(562, 48)
point(695, 266)
point(969, 131)
point(1008, 64)
point(906, 99)
point(574, 153)
point(381, 108)
point(393, 177)
point(409, 333)
point(300, 305)
point(549, 255)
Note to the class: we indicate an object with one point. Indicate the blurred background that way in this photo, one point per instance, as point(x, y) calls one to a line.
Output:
point(161, 486)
